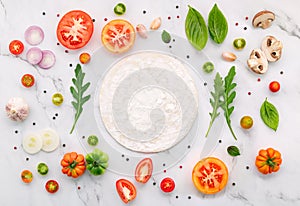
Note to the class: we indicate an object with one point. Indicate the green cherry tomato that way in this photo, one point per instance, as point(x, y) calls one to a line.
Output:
point(208, 67)
point(57, 99)
point(92, 140)
point(246, 122)
point(239, 43)
point(120, 9)
point(42, 168)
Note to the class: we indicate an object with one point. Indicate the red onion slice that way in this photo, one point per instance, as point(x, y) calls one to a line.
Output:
point(48, 59)
point(34, 55)
point(34, 35)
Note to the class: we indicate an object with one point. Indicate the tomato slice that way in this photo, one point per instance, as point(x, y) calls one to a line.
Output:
point(118, 36)
point(210, 175)
point(143, 170)
point(26, 176)
point(126, 190)
point(75, 29)
point(27, 80)
point(167, 185)
point(16, 47)
point(52, 186)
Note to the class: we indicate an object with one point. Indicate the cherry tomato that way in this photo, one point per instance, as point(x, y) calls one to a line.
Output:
point(84, 58)
point(57, 99)
point(246, 122)
point(75, 29)
point(126, 190)
point(16, 47)
point(210, 175)
point(274, 86)
point(26, 176)
point(52, 186)
point(118, 36)
point(143, 170)
point(167, 185)
point(27, 80)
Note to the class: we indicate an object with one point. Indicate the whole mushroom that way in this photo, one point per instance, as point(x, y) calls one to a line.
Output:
point(258, 61)
point(272, 48)
point(17, 109)
point(263, 19)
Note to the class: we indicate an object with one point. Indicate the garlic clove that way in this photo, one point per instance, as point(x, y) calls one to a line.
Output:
point(155, 24)
point(17, 109)
point(228, 56)
point(142, 31)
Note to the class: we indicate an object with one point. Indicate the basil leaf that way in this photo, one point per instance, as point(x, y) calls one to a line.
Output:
point(269, 115)
point(166, 37)
point(217, 25)
point(195, 29)
point(233, 151)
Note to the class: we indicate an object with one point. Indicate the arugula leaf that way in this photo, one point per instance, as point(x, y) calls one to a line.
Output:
point(195, 29)
point(269, 115)
point(77, 93)
point(215, 100)
point(217, 25)
point(229, 96)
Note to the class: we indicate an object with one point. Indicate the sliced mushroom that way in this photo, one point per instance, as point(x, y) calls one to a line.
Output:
point(263, 19)
point(272, 48)
point(258, 61)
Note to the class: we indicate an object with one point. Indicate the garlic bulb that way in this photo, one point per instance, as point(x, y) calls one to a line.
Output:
point(17, 109)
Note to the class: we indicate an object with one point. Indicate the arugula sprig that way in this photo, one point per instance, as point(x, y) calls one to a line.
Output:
point(77, 93)
point(215, 101)
point(228, 97)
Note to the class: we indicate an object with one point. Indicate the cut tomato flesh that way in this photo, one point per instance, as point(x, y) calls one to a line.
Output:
point(210, 175)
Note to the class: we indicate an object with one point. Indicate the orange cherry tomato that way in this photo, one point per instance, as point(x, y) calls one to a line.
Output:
point(210, 175)
point(27, 80)
point(118, 36)
point(16, 47)
point(26, 176)
point(274, 86)
point(167, 185)
point(75, 29)
point(143, 170)
point(84, 58)
point(126, 190)
point(246, 122)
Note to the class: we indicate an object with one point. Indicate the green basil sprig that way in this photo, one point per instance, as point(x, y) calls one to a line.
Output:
point(195, 29)
point(233, 151)
point(217, 25)
point(269, 115)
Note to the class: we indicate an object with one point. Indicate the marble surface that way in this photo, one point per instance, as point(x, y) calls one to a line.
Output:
point(246, 186)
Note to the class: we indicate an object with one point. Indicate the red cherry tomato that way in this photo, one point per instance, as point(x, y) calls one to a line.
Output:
point(144, 170)
point(167, 185)
point(75, 29)
point(27, 80)
point(274, 86)
point(52, 186)
point(16, 47)
point(126, 190)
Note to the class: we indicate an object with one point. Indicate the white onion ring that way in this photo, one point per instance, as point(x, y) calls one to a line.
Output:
point(34, 35)
point(34, 55)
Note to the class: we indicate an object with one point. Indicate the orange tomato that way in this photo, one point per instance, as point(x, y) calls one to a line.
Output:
point(26, 176)
point(268, 161)
point(210, 175)
point(73, 164)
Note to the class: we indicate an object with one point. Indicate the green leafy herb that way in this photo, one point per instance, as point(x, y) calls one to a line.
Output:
point(77, 93)
point(233, 151)
point(229, 96)
point(195, 29)
point(215, 100)
point(217, 25)
point(269, 115)
point(166, 37)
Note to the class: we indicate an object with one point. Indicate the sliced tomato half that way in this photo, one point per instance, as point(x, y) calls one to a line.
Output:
point(143, 170)
point(167, 185)
point(126, 190)
point(118, 36)
point(210, 175)
point(75, 29)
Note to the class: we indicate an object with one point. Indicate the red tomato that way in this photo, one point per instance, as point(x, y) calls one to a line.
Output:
point(143, 170)
point(126, 190)
point(26, 176)
point(16, 47)
point(167, 184)
point(274, 86)
point(52, 186)
point(210, 175)
point(75, 29)
point(27, 80)
point(118, 36)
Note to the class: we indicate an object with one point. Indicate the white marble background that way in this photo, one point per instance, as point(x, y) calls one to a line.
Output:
point(251, 188)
